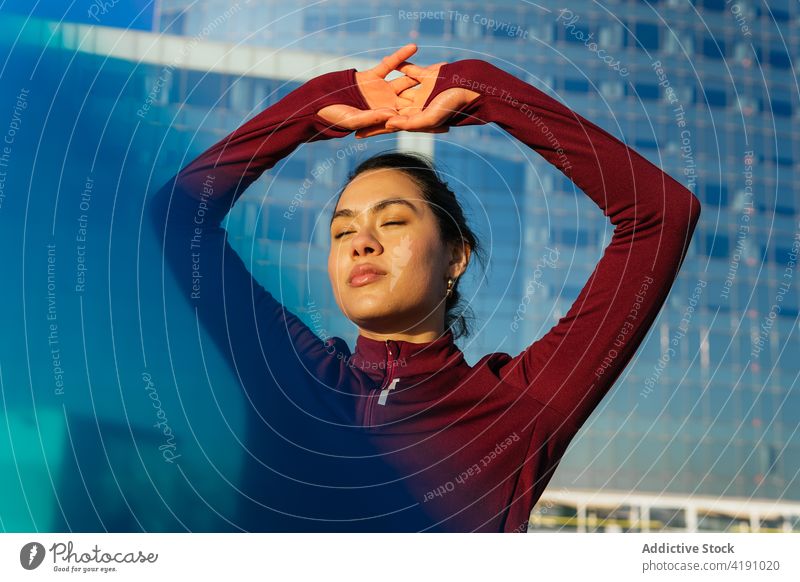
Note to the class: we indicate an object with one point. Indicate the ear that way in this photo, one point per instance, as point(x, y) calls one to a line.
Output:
point(459, 258)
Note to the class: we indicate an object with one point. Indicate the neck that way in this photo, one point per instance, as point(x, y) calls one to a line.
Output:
point(425, 332)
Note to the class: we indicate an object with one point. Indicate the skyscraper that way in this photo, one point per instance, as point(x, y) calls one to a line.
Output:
point(706, 91)
point(700, 432)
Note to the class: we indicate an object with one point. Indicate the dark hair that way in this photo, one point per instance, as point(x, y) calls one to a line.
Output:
point(449, 215)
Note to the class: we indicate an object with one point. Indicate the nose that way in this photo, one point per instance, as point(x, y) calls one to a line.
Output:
point(365, 243)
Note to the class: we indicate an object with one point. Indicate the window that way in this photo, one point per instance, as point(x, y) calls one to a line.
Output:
point(431, 26)
point(501, 171)
point(504, 230)
point(781, 108)
point(770, 454)
point(778, 14)
point(781, 15)
point(293, 228)
point(566, 185)
point(359, 24)
point(241, 94)
point(713, 48)
point(644, 91)
point(783, 161)
point(355, 19)
point(174, 21)
point(313, 21)
point(789, 311)
point(785, 207)
point(571, 237)
point(576, 85)
point(175, 80)
point(506, 25)
point(716, 194)
point(779, 59)
point(782, 255)
point(574, 33)
point(330, 20)
point(646, 143)
point(716, 246)
point(570, 293)
point(291, 167)
point(282, 89)
point(205, 90)
point(647, 35)
point(716, 97)
point(714, 5)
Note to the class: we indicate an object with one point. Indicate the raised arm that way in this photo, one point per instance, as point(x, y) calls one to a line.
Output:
point(576, 363)
point(249, 325)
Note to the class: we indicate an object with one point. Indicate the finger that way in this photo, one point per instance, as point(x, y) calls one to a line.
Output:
point(373, 133)
point(373, 130)
point(440, 109)
point(368, 117)
point(401, 103)
point(408, 111)
point(408, 94)
point(403, 83)
point(410, 69)
point(390, 63)
point(357, 118)
point(429, 118)
point(441, 129)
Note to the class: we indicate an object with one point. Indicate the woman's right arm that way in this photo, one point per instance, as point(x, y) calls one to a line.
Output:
point(244, 319)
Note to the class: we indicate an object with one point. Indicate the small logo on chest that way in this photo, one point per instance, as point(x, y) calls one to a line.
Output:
point(385, 392)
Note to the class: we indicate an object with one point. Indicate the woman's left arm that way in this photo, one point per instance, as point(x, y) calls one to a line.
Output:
point(577, 362)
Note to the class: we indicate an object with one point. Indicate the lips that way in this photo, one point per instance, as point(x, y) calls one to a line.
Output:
point(364, 274)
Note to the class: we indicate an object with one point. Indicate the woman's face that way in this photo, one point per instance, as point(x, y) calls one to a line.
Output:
point(382, 221)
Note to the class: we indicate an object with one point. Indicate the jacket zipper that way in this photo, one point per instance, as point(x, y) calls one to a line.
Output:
point(374, 393)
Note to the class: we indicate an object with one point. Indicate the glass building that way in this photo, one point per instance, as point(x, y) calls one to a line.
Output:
point(705, 418)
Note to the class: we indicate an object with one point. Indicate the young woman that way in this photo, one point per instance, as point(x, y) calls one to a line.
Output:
point(464, 448)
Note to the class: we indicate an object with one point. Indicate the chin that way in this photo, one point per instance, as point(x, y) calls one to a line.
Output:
point(374, 309)
point(364, 315)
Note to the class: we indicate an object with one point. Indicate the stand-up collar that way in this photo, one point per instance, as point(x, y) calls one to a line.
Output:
point(375, 357)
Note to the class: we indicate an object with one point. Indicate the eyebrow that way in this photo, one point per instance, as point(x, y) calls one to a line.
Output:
point(347, 213)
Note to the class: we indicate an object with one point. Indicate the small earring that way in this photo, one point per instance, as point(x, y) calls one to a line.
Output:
point(450, 283)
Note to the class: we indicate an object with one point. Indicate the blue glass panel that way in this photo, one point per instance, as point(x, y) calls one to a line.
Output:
point(715, 246)
point(577, 85)
point(713, 48)
point(647, 35)
point(780, 59)
point(716, 97)
point(716, 194)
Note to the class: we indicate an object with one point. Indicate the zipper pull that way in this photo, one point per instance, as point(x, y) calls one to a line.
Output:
point(385, 392)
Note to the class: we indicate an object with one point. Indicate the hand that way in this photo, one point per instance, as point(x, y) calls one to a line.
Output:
point(381, 95)
point(411, 115)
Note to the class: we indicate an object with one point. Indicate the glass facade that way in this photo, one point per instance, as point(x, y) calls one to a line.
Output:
point(705, 90)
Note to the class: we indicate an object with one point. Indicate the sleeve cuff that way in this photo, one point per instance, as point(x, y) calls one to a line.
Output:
point(473, 74)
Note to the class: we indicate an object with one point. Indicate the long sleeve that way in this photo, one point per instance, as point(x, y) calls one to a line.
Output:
point(576, 363)
point(248, 324)
point(224, 171)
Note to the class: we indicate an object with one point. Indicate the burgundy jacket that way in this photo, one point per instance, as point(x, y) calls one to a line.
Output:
point(470, 447)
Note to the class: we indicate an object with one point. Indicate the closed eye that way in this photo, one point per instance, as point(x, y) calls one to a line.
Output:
point(393, 222)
